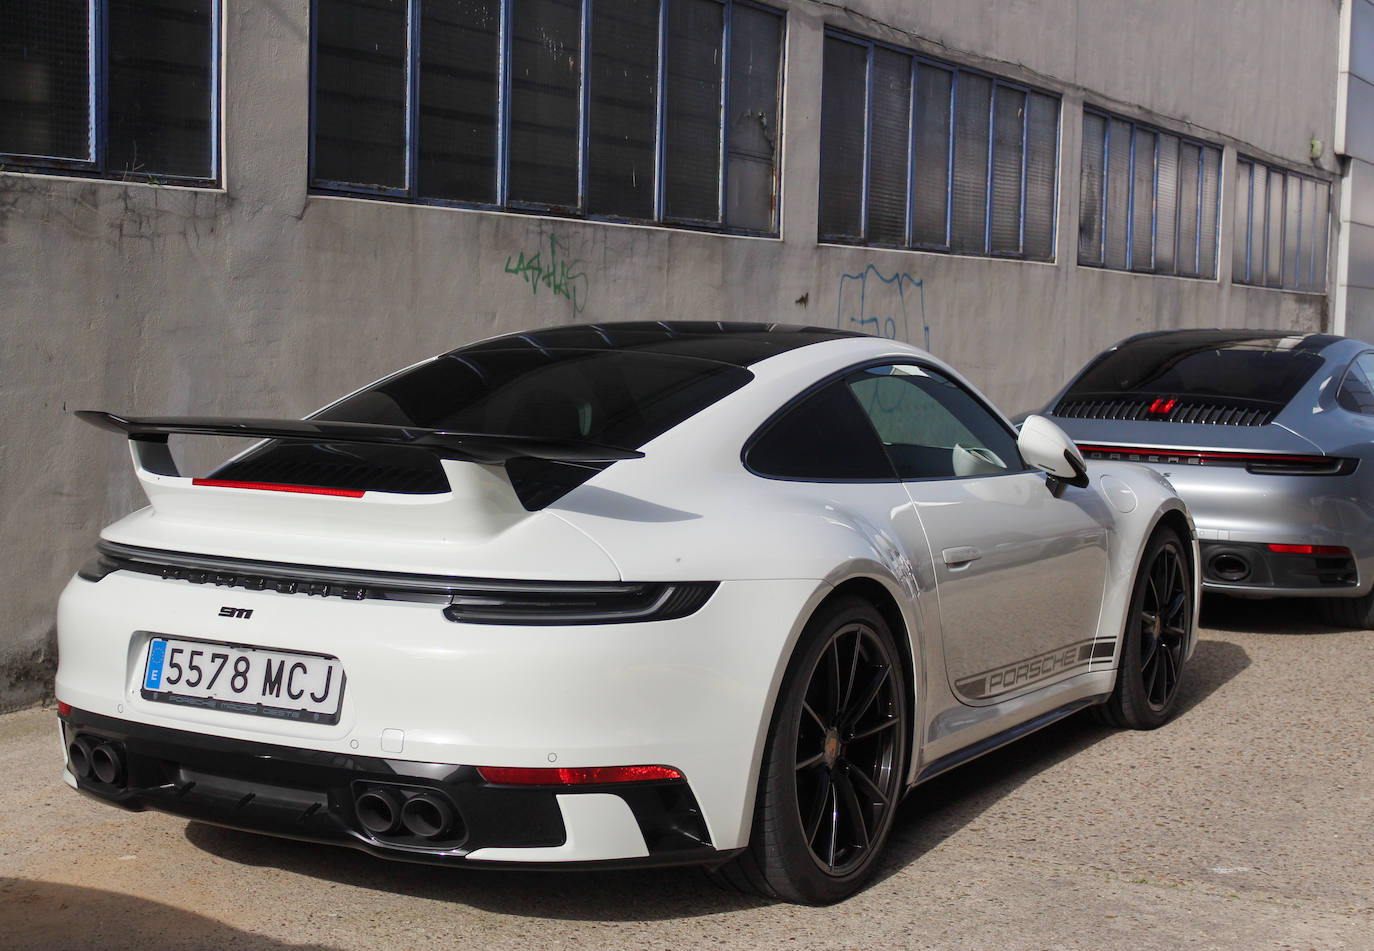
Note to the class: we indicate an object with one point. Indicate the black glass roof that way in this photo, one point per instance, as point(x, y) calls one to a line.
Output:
point(737, 343)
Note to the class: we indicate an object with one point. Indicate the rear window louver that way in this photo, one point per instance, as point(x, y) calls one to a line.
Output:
point(1206, 412)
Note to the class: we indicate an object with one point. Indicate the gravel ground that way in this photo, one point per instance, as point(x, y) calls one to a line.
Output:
point(1246, 823)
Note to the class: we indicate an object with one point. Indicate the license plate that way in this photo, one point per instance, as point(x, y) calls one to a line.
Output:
point(253, 680)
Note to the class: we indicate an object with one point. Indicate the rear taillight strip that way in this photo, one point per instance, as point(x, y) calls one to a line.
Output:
point(462, 600)
point(1258, 462)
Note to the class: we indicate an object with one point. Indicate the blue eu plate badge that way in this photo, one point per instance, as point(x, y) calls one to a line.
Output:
point(153, 681)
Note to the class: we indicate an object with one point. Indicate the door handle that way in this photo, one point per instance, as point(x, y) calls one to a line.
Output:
point(954, 557)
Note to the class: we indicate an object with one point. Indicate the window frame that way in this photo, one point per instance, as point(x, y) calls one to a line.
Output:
point(98, 112)
point(842, 376)
point(954, 70)
point(503, 202)
point(1156, 131)
point(1289, 176)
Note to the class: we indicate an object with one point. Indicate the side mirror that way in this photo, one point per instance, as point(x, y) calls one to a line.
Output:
point(1045, 446)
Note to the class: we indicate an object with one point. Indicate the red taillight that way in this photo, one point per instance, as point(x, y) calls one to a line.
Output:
point(64, 709)
point(576, 775)
point(1310, 550)
point(1162, 406)
point(278, 487)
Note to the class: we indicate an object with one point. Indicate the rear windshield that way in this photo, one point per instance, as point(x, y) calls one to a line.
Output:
point(620, 398)
point(1267, 370)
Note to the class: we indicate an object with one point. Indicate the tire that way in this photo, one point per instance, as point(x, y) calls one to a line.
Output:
point(834, 765)
point(1155, 643)
point(1357, 613)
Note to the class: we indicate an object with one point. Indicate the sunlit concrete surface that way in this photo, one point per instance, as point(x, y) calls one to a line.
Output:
point(1244, 824)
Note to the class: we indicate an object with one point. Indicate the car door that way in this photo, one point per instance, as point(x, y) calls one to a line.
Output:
point(1020, 569)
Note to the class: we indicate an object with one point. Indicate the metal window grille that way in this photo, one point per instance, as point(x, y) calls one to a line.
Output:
point(918, 153)
point(634, 110)
point(116, 88)
point(1149, 200)
point(1282, 228)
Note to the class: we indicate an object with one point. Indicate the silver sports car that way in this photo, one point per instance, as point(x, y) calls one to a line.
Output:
point(1269, 438)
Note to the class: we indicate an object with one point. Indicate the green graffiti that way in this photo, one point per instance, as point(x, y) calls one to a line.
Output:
point(551, 268)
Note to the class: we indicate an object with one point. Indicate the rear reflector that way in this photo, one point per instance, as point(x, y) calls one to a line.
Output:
point(278, 487)
point(64, 709)
point(577, 776)
point(1336, 550)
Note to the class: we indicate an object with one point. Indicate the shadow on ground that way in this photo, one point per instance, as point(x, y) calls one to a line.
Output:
point(935, 811)
point(47, 916)
point(941, 807)
point(1263, 616)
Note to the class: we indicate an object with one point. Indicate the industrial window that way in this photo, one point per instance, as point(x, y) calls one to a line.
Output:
point(1282, 221)
point(1148, 199)
point(640, 110)
point(123, 88)
point(917, 153)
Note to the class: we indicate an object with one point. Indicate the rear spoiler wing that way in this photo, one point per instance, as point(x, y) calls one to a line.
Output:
point(148, 436)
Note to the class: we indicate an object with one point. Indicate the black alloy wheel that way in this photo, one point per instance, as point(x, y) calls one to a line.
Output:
point(846, 742)
point(1164, 619)
point(833, 770)
point(1159, 628)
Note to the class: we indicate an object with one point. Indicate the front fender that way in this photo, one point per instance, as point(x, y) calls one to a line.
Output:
point(1143, 500)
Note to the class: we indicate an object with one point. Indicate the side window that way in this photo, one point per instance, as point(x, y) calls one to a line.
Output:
point(824, 438)
point(930, 426)
point(1357, 389)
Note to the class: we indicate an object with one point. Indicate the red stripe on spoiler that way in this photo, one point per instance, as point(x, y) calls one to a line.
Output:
point(278, 487)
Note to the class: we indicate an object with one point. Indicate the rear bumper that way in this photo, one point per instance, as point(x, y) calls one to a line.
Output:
point(1241, 513)
point(1252, 569)
point(691, 693)
point(313, 795)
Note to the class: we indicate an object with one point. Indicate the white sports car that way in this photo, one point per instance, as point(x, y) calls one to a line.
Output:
point(642, 593)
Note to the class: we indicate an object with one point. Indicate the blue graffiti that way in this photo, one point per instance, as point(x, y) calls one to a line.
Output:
point(883, 308)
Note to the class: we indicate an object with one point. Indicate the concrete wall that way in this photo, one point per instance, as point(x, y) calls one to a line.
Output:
point(1354, 294)
point(262, 299)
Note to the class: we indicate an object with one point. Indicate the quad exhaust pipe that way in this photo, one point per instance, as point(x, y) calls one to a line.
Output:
point(379, 811)
point(427, 816)
point(392, 811)
point(101, 761)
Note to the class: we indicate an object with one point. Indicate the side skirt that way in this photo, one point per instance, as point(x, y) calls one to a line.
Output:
point(959, 757)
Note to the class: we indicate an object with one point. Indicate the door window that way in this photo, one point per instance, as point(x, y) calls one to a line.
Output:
point(931, 427)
